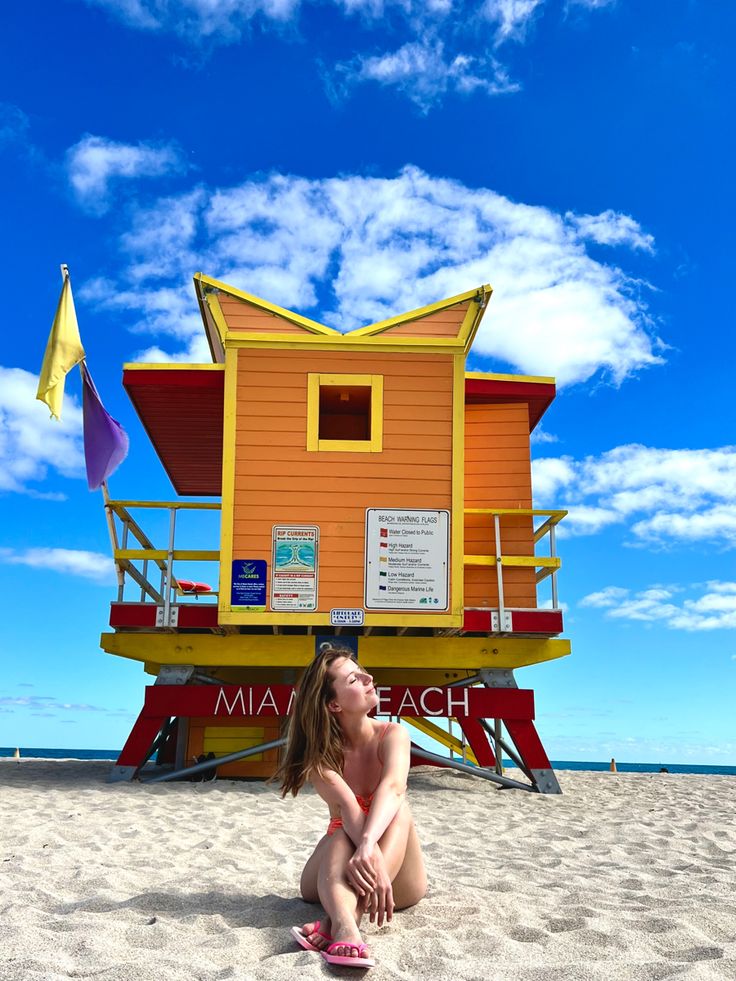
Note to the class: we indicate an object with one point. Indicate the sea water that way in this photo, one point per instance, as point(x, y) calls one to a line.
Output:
point(112, 754)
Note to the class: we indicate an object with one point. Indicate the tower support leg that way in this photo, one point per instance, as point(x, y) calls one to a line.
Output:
point(146, 728)
point(525, 738)
point(478, 741)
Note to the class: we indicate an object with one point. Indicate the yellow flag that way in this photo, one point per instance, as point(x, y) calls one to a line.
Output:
point(63, 351)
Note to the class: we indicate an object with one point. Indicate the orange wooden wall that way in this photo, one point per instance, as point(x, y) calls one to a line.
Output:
point(247, 317)
point(278, 482)
point(444, 323)
point(498, 474)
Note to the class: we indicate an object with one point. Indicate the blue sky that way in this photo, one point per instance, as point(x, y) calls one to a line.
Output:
point(351, 159)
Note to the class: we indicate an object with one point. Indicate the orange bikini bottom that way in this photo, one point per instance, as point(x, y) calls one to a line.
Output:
point(336, 822)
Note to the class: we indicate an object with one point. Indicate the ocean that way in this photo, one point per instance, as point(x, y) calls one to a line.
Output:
point(112, 754)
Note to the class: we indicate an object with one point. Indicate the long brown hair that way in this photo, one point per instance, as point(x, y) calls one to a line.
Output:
point(314, 741)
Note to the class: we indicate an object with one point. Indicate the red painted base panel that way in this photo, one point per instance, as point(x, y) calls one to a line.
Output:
point(127, 616)
point(514, 706)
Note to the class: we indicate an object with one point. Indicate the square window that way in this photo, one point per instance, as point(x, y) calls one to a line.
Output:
point(345, 413)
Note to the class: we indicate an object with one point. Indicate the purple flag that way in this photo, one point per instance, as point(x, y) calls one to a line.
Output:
point(105, 440)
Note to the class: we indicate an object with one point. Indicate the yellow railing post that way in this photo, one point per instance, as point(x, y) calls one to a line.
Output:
point(547, 566)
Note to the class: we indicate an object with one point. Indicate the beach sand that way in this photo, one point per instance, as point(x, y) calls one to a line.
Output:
point(624, 876)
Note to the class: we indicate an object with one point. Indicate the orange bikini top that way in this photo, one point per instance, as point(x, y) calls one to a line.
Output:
point(365, 801)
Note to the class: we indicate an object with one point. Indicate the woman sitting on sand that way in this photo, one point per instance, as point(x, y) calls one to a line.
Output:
point(369, 860)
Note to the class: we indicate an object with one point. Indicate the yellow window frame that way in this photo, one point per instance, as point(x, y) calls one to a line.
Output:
point(315, 381)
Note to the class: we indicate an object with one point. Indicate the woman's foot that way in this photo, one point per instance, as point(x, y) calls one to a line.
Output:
point(348, 941)
point(318, 933)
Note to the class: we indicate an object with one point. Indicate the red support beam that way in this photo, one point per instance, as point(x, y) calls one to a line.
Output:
point(478, 741)
point(140, 740)
point(528, 744)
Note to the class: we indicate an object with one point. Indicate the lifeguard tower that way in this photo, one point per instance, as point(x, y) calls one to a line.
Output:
point(371, 489)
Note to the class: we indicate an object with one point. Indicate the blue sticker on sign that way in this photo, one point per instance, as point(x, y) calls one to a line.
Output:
point(249, 583)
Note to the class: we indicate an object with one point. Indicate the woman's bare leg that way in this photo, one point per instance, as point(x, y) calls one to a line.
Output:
point(324, 876)
point(341, 904)
point(310, 894)
point(404, 861)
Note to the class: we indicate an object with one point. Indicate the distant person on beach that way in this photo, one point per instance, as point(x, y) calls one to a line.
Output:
point(369, 860)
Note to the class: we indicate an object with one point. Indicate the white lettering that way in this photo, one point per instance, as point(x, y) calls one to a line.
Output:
point(268, 696)
point(407, 699)
point(461, 702)
point(384, 695)
point(228, 707)
point(291, 701)
point(423, 702)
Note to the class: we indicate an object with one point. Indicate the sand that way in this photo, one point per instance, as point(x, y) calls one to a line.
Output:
point(624, 876)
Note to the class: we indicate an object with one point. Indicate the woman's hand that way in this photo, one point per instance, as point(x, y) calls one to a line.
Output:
point(381, 905)
point(361, 869)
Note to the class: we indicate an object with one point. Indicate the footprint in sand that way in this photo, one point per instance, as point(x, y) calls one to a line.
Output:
point(565, 924)
point(692, 954)
point(655, 925)
point(528, 935)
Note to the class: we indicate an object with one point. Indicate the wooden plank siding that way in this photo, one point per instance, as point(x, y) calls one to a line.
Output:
point(241, 315)
point(498, 475)
point(277, 481)
point(444, 323)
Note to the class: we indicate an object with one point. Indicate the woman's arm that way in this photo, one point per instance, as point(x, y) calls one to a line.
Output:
point(391, 789)
point(387, 800)
point(333, 789)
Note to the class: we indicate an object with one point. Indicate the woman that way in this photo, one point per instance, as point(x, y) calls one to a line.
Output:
point(369, 860)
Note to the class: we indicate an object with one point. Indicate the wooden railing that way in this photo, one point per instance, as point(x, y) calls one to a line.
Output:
point(547, 565)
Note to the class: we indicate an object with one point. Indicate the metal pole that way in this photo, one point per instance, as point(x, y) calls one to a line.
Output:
point(110, 518)
point(508, 750)
point(499, 570)
point(208, 764)
point(497, 735)
point(475, 771)
point(125, 545)
point(552, 548)
point(169, 566)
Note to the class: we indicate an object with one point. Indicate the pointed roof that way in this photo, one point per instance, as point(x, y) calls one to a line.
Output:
point(231, 316)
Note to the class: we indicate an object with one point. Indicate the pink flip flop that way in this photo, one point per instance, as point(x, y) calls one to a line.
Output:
point(358, 961)
point(302, 940)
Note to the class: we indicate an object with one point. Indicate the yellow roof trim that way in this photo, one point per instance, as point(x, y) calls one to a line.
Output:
point(170, 366)
point(382, 325)
point(310, 325)
point(344, 342)
point(526, 379)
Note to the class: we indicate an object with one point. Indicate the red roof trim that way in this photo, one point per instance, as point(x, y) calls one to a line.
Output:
point(186, 378)
point(537, 395)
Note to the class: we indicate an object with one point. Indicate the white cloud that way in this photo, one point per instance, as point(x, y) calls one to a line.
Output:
point(667, 496)
point(354, 250)
point(512, 17)
point(425, 73)
point(31, 443)
point(540, 435)
point(591, 4)
point(714, 609)
point(199, 18)
point(607, 597)
point(46, 705)
point(74, 562)
point(95, 164)
point(611, 228)
point(13, 125)
point(444, 45)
